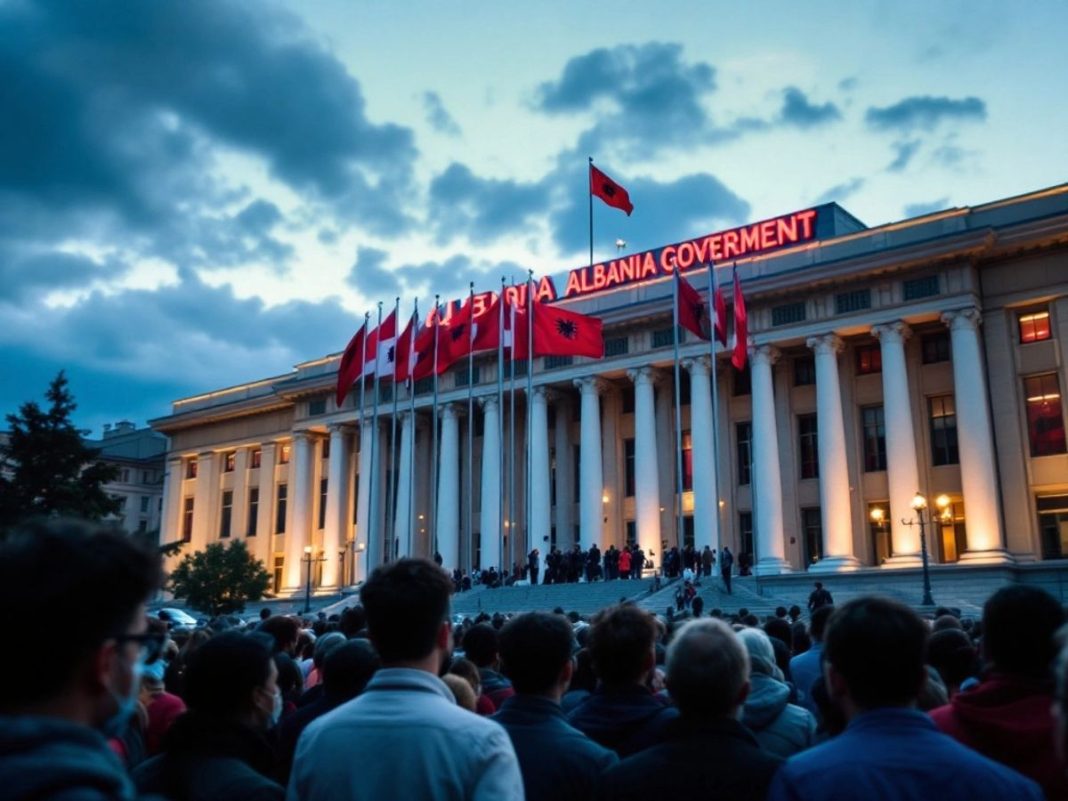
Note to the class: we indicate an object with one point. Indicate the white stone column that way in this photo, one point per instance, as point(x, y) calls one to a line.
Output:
point(591, 468)
point(490, 488)
point(363, 494)
point(766, 475)
point(205, 526)
point(902, 467)
point(565, 482)
point(239, 510)
point(705, 514)
point(402, 523)
point(539, 468)
point(835, 507)
point(170, 526)
point(982, 510)
point(264, 547)
point(447, 525)
point(300, 498)
point(646, 468)
point(337, 488)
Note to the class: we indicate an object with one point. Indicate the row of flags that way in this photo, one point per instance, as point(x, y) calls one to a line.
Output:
point(694, 317)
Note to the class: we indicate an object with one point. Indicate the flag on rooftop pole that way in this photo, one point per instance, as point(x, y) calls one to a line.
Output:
point(609, 191)
point(559, 332)
point(692, 312)
point(741, 326)
point(719, 306)
point(351, 366)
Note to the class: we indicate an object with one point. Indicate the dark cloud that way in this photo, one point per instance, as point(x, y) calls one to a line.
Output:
point(327, 236)
point(839, 192)
point(952, 156)
point(799, 112)
point(26, 274)
point(452, 277)
point(904, 153)
point(370, 275)
point(847, 84)
point(438, 117)
point(925, 113)
point(482, 209)
point(920, 209)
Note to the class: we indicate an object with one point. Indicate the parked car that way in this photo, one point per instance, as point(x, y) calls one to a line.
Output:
point(177, 619)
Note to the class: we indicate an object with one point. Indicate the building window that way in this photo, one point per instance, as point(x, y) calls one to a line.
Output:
point(804, 371)
point(283, 453)
point(280, 509)
point(191, 468)
point(322, 502)
point(874, 438)
point(788, 313)
point(552, 362)
point(858, 300)
point(424, 385)
point(254, 459)
point(952, 536)
point(279, 565)
point(745, 532)
point(628, 401)
point(187, 520)
point(326, 448)
point(687, 461)
point(808, 436)
point(916, 288)
point(935, 347)
point(687, 531)
point(146, 477)
point(628, 461)
point(665, 337)
point(316, 407)
point(632, 534)
point(142, 527)
point(743, 381)
point(869, 359)
point(616, 346)
point(684, 387)
point(229, 460)
point(144, 504)
point(227, 513)
point(253, 510)
point(1045, 421)
point(881, 544)
point(743, 433)
point(812, 533)
point(1034, 326)
point(461, 376)
point(125, 476)
point(1053, 525)
point(942, 412)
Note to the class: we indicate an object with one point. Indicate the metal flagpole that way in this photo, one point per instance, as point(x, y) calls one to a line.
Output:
point(678, 419)
point(471, 431)
point(391, 475)
point(589, 181)
point(372, 506)
point(411, 443)
point(530, 392)
point(500, 431)
point(511, 427)
point(715, 403)
point(363, 386)
point(435, 320)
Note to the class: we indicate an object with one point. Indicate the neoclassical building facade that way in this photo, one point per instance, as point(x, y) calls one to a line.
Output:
point(921, 356)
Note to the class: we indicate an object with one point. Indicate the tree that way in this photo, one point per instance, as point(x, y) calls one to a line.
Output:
point(51, 470)
point(220, 579)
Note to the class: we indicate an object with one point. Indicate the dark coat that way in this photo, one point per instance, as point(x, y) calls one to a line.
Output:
point(495, 686)
point(205, 759)
point(715, 759)
point(625, 720)
point(559, 763)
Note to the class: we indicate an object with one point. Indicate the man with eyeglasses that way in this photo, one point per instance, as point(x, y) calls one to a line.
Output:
point(72, 672)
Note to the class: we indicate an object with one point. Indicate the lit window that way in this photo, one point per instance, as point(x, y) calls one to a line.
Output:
point(1045, 421)
point(869, 359)
point(191, 468)
point(254, 459)
point(1034, 326)
point(229, 460)
point(283, 453)
point(687, 461)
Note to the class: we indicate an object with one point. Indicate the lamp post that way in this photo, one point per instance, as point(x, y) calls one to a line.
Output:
point(309, 559)
point(919, 506)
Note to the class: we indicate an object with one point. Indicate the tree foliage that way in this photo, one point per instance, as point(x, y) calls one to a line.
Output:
point(220, 579)
point(50, 470)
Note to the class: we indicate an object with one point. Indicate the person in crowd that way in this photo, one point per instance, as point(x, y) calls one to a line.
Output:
point(284, 630)
point(219, 748)
point(1008, 717)
point(404, 737)
point(625, 558)
point(820, 596)
point(461, 690)
point(583, 681)
point(806, 668)
point(323, 646)
point(61, 695)
point(781, 728)
point(952, 654)
point(161, 707)
point(534, 565)
point(622, 713)
point(466, 669)
point(708, 559)
point(726, 562)
point(874, 650)
point(346, 671)
point(481, 646)
point(706, 752)
point(637, 563)
point(558, 761)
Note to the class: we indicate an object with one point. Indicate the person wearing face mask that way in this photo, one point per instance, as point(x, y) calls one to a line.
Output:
point(57, 709)
point(220, 747)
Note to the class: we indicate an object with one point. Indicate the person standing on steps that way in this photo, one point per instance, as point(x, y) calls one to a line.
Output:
point(819, 597)
point(726, 562)
point(532, 563)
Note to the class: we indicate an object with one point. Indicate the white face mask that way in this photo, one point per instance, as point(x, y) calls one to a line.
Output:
point(125, 706)
point(276, 710)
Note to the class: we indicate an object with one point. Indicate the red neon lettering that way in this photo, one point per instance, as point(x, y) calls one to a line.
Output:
point(613, 273)
point(648, 266)
point(787, 229)
point(730, 244)
point(715, 247)
point(767, 235)
point(598, 276)
point(667, 259)
point(806, 218)
point(700, 247)
point(686, 256)
point(546, 290)
point(573, 285)
point(629, 268)
point(750, 239)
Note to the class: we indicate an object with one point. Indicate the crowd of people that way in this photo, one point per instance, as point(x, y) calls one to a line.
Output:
point(392, 699)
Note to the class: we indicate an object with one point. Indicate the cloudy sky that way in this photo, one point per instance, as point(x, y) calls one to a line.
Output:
point(195, 194)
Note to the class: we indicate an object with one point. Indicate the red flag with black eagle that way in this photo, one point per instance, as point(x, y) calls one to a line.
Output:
point(693, 314)
point(609, 191)
point(741, 326)
point(558, 332)
point(351, 366)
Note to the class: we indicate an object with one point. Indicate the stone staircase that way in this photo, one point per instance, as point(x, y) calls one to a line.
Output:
point(580, 597)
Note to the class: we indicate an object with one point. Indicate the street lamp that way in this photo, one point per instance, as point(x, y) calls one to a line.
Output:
point(919, 506)
point(309, 559)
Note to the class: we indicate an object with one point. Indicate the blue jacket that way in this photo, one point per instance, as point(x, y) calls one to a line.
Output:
point(780, 727)
point(897, 755)
point(806, 669)
point(558, 761)
point(625, 720)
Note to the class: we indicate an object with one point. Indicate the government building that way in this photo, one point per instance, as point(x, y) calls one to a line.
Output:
point(920, 357)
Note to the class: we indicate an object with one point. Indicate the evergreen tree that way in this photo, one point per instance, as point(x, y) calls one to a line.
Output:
point(220, 579)
point(50, 471)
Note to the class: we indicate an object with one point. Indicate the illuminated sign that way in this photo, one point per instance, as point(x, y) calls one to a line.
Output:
point(747, 240)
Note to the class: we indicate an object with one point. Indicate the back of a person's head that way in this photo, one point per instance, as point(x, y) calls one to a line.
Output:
point(325, 644)
point(780, 611)
point(283, 629)
point(621, 643)
point(50, 570)
point(466, 669)
point(462, 691)
point(347, 669)
point(952, 654)
point(942, 622)
point(817, 624)
point(225, 671)
point(353, 621)
point(405, 603)
point(290, 677)
point(779, 629)
point(481, 644)
point(879, 647)
point(761, 651)
point(1019, 628)
point(707, 669)
point(534, 649)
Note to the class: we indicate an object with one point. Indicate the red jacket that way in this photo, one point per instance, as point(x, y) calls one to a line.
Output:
point(1008, 719)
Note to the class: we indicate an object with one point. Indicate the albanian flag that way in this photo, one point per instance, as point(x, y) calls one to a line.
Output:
point(558, 332)
point(693, 315)
point(609, 191)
